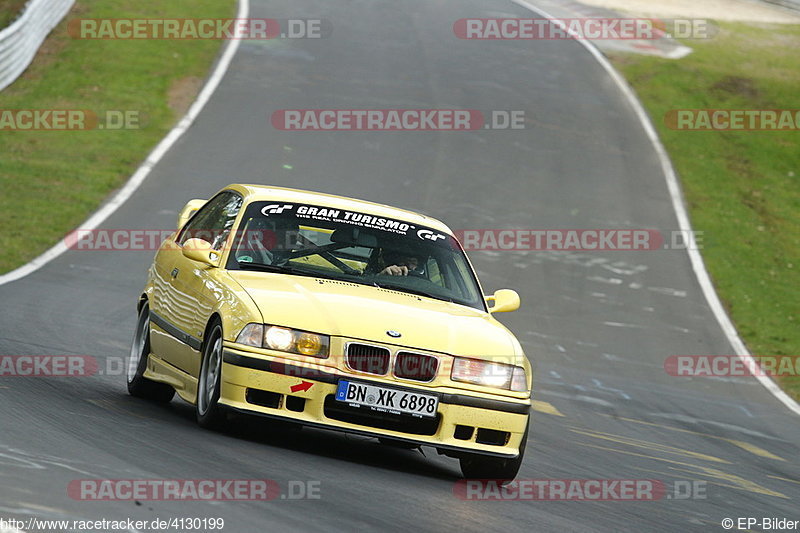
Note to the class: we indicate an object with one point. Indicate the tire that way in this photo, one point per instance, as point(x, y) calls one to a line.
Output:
point(210, 414)
point(476, 466)
point(138, 385)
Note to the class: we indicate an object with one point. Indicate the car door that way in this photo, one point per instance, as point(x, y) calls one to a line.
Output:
point(194, 285)
point(163, 338)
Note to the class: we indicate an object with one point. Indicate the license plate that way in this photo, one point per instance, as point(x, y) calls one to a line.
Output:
point(387, 400)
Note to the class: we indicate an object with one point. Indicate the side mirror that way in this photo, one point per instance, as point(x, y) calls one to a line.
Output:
point(188, 210)
point(504, 300)
point(200, 251)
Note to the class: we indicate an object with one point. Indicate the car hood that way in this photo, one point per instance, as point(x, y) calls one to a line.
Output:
point(355, 311)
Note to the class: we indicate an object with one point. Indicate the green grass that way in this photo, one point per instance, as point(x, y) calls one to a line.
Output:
point(743, 188)
point(9, 10)
point(51, 180)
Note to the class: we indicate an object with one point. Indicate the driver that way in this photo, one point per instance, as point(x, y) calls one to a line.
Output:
point(400, 264)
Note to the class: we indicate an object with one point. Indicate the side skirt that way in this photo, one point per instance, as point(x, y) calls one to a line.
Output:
point(184, 384)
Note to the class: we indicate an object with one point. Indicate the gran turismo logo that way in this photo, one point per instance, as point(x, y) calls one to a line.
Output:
point(273, 209)
point(429, 235)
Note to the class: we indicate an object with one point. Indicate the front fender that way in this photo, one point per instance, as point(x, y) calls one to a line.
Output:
point(235, 308)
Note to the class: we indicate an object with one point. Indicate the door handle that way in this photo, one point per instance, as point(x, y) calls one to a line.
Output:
point(174, 273)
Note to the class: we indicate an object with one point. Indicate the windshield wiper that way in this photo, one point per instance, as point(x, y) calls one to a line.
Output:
point(418, 292)
point(263, 267)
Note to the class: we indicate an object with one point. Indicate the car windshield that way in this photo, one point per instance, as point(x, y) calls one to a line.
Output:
point(357, 247)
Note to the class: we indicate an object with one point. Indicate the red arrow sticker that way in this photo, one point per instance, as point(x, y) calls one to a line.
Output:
point(302, 386)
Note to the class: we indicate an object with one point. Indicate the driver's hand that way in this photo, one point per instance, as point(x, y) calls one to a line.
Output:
point(395, 270)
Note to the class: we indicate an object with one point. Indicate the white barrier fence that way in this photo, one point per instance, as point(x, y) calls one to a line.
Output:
point(791, 4)
point(20, 41)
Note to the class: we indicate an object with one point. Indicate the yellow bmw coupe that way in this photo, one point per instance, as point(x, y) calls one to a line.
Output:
point(335, 313)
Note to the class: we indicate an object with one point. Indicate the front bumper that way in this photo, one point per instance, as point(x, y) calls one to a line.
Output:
point(262, 385)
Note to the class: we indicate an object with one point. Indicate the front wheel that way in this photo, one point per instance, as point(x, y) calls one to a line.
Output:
point(482, 467)
point(209, 413)
point(138, 385)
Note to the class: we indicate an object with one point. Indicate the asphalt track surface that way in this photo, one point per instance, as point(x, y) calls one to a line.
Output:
point(597, 326)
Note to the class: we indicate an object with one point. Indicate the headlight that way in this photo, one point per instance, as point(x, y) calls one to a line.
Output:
point(519, 381)
point(284, 340)
point(310, 344)
point(495, 375)
point(252, 335)
point(279, 339)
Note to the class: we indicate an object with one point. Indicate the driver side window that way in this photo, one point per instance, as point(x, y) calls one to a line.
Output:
point(214, 221)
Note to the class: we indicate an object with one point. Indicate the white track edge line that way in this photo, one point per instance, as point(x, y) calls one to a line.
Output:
point(144, 169)
point(679, 206)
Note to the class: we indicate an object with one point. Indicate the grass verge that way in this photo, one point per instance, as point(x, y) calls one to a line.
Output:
point(9, 10)
point(76, 170)
point(742, 187)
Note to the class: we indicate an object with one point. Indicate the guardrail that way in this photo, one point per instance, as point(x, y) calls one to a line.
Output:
point(20, 41)
point(791, 4)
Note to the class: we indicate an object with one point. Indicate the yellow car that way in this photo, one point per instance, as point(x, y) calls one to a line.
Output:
point(334, 313)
